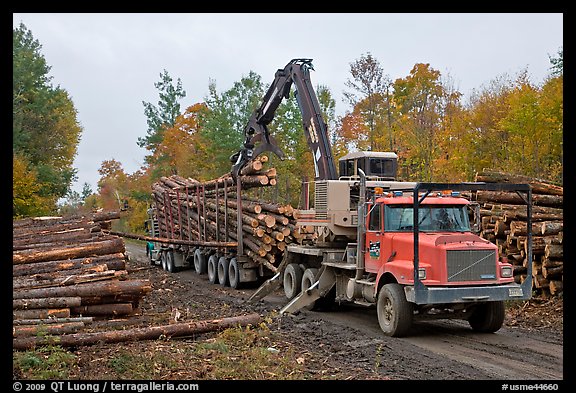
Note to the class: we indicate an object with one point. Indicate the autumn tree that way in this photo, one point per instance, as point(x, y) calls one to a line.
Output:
point(163, 115)
point(370, 97)
point(182, 146)
point(419, 100)
point(45, 129)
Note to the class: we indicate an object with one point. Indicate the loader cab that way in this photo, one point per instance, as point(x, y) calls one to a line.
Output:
point(376, 165)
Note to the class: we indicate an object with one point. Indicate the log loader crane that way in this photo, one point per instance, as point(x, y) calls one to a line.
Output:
point(406, 248)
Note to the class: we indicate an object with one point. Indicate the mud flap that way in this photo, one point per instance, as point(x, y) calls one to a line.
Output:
point(268, 287)
point(305, 298)
point(324, 284)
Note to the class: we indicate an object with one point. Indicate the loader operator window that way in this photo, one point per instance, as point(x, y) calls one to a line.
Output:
point(431, 218)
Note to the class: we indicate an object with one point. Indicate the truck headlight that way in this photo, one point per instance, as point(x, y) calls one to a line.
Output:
point(506, 271)
point(422, 273)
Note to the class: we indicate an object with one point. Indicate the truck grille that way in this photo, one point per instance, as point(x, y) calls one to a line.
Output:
point(471, 265)
point(321, 200)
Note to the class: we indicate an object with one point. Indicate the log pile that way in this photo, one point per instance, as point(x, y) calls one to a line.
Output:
point(503, 216)
point(205, 212)
point(67, 272)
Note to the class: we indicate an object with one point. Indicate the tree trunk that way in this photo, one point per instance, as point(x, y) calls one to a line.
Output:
point(148, 333)
point(91, 249)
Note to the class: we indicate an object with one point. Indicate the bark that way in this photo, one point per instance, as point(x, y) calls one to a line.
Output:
point(92, 249)
point(103, 288)
point(46, 302)
point(514, 198)
point(116, 261)
point(33, 330)
point(41, 313)
point(112, 309)
point(149, 333)
point(85, 320)
point(539, 186)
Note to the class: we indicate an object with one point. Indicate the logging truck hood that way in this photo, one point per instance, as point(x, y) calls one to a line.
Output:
point(447, 257)
point(436, 239)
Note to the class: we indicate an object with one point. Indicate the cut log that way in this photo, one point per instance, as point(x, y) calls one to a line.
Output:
point(551, 227)
point(46, 302)
point(40, 281)
point(149, 333)
point(84, 320)
point(514, 198)
point(554, 251)
point(112, 309)
point(103, 288)
point(539, 186)
point(112, 246)
point(556, 287)
point(59, 328)
point(41, 313)
point(115, 261)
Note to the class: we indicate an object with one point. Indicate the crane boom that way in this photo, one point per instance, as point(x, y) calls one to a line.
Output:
point(257, 136)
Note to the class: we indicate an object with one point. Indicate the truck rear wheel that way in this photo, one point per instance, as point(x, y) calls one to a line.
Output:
point(200, 264)
point(234, 273)
point(292, 280)
point(395, 313)
point(308, 279)
point(213, 268)
point(170, 265)
point(163, 261)
point(488, 317)
point(223, 271)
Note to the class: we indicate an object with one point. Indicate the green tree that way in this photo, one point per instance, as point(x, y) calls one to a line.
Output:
point(557, 68)
point(162, 116)
point(227, 115)
point(45, 128)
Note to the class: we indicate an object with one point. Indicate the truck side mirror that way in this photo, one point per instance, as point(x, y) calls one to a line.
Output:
point(475, 226)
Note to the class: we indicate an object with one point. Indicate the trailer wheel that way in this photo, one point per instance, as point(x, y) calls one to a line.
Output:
point(163, 260)
point(488, 317)
point(292, 280)
point(213, 268)
point(170, 265)
point(223, 271)
point(200, 264)
point(234, 273)
point(395, 313)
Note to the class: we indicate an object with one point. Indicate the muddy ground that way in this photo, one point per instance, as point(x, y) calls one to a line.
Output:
point(343, 344)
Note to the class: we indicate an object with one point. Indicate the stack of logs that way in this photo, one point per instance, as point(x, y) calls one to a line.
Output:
point(503, 216)
point(67, 272)
point(207, 211)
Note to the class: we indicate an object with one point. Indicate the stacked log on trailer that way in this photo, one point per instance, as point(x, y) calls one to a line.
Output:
point(204, 212)
point(67, 272)
point(503, 216)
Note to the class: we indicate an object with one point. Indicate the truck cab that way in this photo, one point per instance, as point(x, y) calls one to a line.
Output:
point(450, 254)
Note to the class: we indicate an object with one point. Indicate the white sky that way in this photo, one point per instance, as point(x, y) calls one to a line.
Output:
point(109, 62)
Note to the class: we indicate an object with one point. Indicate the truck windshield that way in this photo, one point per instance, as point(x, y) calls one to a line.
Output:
point(431, 218)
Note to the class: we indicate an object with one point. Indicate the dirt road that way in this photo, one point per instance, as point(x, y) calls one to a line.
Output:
point(349, 338)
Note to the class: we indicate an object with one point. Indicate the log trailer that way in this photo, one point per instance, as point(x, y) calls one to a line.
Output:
point(406, 248)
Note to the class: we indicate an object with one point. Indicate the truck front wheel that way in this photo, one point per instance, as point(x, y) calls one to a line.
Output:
point(395, 313)
point(488, 317)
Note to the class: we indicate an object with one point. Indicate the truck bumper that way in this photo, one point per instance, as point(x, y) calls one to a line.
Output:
point(440, 295)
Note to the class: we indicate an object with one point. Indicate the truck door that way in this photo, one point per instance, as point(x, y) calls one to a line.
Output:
point(373, 238)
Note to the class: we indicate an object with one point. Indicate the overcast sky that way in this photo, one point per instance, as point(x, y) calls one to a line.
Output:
point(109, 62)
